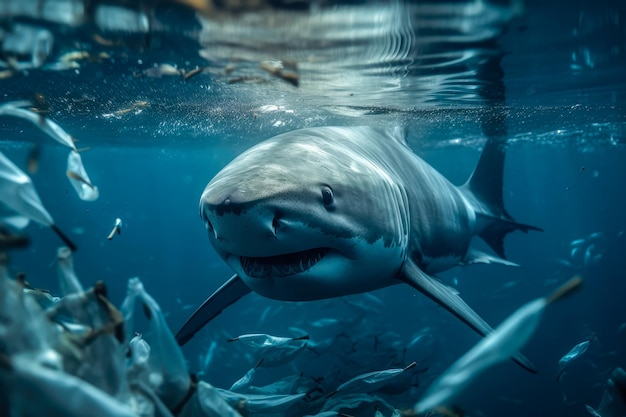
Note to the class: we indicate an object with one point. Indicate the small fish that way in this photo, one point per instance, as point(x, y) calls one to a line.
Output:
point(589, 254)
point(116, 229)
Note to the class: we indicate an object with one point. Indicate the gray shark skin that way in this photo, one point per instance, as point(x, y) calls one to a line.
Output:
point(330, 211)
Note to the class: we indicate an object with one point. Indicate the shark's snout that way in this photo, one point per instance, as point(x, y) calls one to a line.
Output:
point(241, 228)
point(257, 240)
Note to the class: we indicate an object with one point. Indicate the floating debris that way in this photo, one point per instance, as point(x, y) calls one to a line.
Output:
point(18, 194)
point(75, 169)
point(243, 383)
point(116, 229)
point(15, 108)
point(7, 73)
point(26, 46)
point(246, 79)
point(136, 107)
point(161, 70)
point(79, 178)
point(68, 281)
point(254, 403)
point(574, 353)
point(371, 381)
point(285, 70)
point(191, 73)
point(272, 350)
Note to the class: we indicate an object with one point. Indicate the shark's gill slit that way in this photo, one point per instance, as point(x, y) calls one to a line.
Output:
point(282, 265)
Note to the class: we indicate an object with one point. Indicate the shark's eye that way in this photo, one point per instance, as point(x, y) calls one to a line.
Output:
point(327, 195)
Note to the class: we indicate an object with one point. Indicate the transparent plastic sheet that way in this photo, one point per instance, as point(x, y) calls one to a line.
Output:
point(18, 193)
point(243, 383)
point(33, 369)
point(99, 359)
point(24, 328)
point(273, 351)
point(207, 401)
point(57, 393)
point(49, 127)
point(371, 381)
point(283, 386)
point(33, 43)
point(76, 172)
point(357, 401)
point(169, 373)
point(12, 219)
point(68, 281)
point(270, 404)
point(80, 179)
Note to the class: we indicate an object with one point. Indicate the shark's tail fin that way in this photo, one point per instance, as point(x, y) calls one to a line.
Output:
point(485, 191)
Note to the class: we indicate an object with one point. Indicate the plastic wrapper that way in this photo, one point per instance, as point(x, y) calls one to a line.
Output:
point(371, 381)
point(57, 393)
point(68, 281)
point(49, 127)
point(269, 404)
point(273, 351)
point(32, 42)
point(18, 193)
point(169, 374)
point(243, 383)
point(80, 179)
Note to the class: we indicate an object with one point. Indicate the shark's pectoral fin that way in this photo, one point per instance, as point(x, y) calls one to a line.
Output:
point(231, 291)
point(450, 300)
point(474, 256)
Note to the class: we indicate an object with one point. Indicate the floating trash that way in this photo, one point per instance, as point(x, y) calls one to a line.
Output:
point(18, 194)
point(371, 381)
point(272, 350)
point(117, 229)
point(574, 353)
point(79, 179)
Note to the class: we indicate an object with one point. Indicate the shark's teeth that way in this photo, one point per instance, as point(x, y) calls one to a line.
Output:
point(282, 265)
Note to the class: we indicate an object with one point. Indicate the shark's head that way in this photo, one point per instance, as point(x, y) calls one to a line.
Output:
point(305, 216)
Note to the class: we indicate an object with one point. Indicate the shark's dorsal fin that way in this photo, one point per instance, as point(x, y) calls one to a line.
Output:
point(484, 190)
point(450, 300)
point(231, 291)
point(485, 183)
point(398, 133)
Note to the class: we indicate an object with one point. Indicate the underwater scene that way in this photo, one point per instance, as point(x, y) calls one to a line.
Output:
point(293, 208)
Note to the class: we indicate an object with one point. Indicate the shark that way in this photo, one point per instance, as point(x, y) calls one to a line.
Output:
point(325, 212)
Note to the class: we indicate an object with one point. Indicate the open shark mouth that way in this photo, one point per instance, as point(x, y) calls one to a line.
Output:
point(282, 265)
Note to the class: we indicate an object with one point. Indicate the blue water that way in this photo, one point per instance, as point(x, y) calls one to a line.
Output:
point(557, 69)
